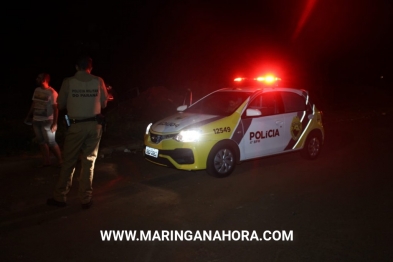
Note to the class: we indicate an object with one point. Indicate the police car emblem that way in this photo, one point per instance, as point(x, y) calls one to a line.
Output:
point(296, 128)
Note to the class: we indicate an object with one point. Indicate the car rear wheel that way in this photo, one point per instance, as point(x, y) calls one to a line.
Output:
point(312, 147)
point(221, 161)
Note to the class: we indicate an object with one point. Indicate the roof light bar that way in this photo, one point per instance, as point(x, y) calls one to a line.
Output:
point(268, 79)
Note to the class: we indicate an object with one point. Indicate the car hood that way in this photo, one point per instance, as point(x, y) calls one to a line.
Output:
point(180, 121)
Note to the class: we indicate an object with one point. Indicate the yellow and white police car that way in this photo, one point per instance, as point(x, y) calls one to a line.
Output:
point(231, 125)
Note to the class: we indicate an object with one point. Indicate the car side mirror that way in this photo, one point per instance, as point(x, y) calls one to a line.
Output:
point(182, 108)
point(253, 112)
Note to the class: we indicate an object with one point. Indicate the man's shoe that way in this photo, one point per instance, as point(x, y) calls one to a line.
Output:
point(53, 202)
point(87, 205)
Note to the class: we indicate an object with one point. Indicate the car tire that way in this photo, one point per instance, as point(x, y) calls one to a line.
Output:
point(312, 147)
point(221, 161)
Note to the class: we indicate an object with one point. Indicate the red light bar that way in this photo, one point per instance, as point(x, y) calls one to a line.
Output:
point(268, 79)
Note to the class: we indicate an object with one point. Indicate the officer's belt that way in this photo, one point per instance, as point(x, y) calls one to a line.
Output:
point(75, 121)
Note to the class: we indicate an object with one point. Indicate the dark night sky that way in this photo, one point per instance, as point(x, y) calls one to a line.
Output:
point(182, 44)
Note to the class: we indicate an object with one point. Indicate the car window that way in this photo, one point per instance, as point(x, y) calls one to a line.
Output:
point(293, 102)
point(267, 103)
point(219, 103)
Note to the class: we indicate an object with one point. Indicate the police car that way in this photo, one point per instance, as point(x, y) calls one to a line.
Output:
point(235, 124)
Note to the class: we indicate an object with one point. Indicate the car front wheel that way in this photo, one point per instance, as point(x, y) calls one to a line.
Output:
point(221, 161)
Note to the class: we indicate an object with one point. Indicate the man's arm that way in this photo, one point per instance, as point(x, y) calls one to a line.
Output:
point(53, 127)
point(63, 94)
point(104, 94)
point(31, 110)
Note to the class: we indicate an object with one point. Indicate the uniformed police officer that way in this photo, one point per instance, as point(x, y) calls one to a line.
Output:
point(83, 95)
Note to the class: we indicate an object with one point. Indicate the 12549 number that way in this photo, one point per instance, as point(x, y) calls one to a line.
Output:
point(221, 130)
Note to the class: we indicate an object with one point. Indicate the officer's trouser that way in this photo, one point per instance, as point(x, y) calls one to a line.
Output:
point(82, 139)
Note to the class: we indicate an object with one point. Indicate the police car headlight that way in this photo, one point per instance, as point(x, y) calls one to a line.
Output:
point(188, 136)
point(148, 128)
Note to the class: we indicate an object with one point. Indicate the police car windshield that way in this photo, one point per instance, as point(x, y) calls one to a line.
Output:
point(219, 103)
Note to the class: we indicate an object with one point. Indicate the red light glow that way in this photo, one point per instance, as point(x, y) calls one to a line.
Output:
point(269, 79)
point(303, 19)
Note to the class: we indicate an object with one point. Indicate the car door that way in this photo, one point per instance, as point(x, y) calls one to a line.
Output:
point(264, 127)
point(295, 115)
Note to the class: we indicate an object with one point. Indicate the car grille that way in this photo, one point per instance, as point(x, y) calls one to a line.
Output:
point(158, 138)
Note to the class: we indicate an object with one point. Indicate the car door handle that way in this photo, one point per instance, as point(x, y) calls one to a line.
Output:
point(279, 123)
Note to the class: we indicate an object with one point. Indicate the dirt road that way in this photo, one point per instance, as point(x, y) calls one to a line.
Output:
point(338, 208)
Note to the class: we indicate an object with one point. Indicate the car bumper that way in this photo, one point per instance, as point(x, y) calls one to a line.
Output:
point(185, 156)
